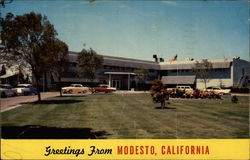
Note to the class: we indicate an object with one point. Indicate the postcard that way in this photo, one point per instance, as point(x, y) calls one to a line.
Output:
point(119, 79)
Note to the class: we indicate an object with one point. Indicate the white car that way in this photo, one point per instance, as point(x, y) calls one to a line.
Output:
point(184, 88)
point(23, 89)
point(7, 91)
point(218, 90)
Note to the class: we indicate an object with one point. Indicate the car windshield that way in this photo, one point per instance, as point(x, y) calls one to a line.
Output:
point(22, 86)
point(6, 87)
point(75, 85)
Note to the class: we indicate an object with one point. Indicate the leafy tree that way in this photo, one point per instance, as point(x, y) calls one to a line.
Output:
point(88, 62)
point(142, 75)
point(60, 54)
point(27, 40)
point(159, 93)
point(203, 70)
point(3, 2)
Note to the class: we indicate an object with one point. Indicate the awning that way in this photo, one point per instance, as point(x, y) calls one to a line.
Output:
point(178, 79)
point(75, 80)
point(8, 75)
point(190, 65)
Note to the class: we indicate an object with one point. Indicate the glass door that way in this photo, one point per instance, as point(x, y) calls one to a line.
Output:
point(116, 84)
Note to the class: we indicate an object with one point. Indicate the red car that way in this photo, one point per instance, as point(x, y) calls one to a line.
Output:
point(103, 88)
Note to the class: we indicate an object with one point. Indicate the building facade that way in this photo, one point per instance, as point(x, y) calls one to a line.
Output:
point(226, 73)
point(121, 73)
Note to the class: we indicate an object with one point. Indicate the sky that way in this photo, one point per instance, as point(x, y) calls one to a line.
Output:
point(139, 29)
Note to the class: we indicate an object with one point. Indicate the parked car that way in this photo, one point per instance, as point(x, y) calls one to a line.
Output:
point(103, 88)
point(26, 89)
point(75, 88)
point(184, 88)
point(219, 90)
point(4, 93)
point(7, 91)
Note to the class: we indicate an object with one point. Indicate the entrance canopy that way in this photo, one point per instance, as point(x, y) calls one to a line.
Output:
point(119, 73)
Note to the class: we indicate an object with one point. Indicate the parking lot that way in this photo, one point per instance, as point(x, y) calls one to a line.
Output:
point(13, 102)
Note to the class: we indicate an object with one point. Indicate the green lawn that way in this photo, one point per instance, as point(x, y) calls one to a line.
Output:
point(128, 116)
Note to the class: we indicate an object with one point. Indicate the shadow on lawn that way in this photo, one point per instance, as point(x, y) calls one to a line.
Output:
point(164, 108)
point(54, 101)
point(41, 132)
point(72, 96)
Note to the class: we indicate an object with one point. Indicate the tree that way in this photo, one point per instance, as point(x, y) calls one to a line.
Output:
point(27, 39)
point(203, 70)
point(60, 54)
point(159, 93)
point(142, 75)
point(3, 2)
point(88, 62)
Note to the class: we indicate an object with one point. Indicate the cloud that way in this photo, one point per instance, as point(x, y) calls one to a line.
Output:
point(170, 3)
point(123, 6)
point(65, 6)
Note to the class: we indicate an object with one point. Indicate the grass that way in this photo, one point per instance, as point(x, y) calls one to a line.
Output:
point(128, 116)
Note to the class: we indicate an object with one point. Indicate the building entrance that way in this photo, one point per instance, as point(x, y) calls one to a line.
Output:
point(116, 84)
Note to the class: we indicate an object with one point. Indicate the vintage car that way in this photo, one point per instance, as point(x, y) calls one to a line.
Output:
point(75, 88)
point(218, 90)
point(7, 91)
point(184, 88)
point(26, 89)
point(103, 88)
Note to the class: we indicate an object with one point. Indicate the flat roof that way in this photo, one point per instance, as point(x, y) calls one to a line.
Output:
point(143, 64)
point(123, 62)
point(121, 73)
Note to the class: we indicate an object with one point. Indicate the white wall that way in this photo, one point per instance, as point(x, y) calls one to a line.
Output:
point(213, 82)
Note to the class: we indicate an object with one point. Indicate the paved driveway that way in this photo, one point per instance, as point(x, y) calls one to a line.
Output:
point(14, 102)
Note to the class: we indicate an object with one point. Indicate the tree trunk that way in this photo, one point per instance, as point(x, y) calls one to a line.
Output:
point(45, 82)
point(60, 91)
point(163, 104)
point(60, 86)
point(205, 82)
point(144, 87)
point(38, 90)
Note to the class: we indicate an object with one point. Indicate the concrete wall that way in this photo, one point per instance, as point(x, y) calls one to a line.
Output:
point(213, 82)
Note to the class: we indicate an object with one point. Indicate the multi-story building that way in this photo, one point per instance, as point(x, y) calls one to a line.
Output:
point(121, 73)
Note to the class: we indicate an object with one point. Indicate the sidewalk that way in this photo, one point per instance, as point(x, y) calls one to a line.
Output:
point(14, 102)
point(130, 92)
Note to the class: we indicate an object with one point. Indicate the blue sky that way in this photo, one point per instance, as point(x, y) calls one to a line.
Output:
point(139, 29)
